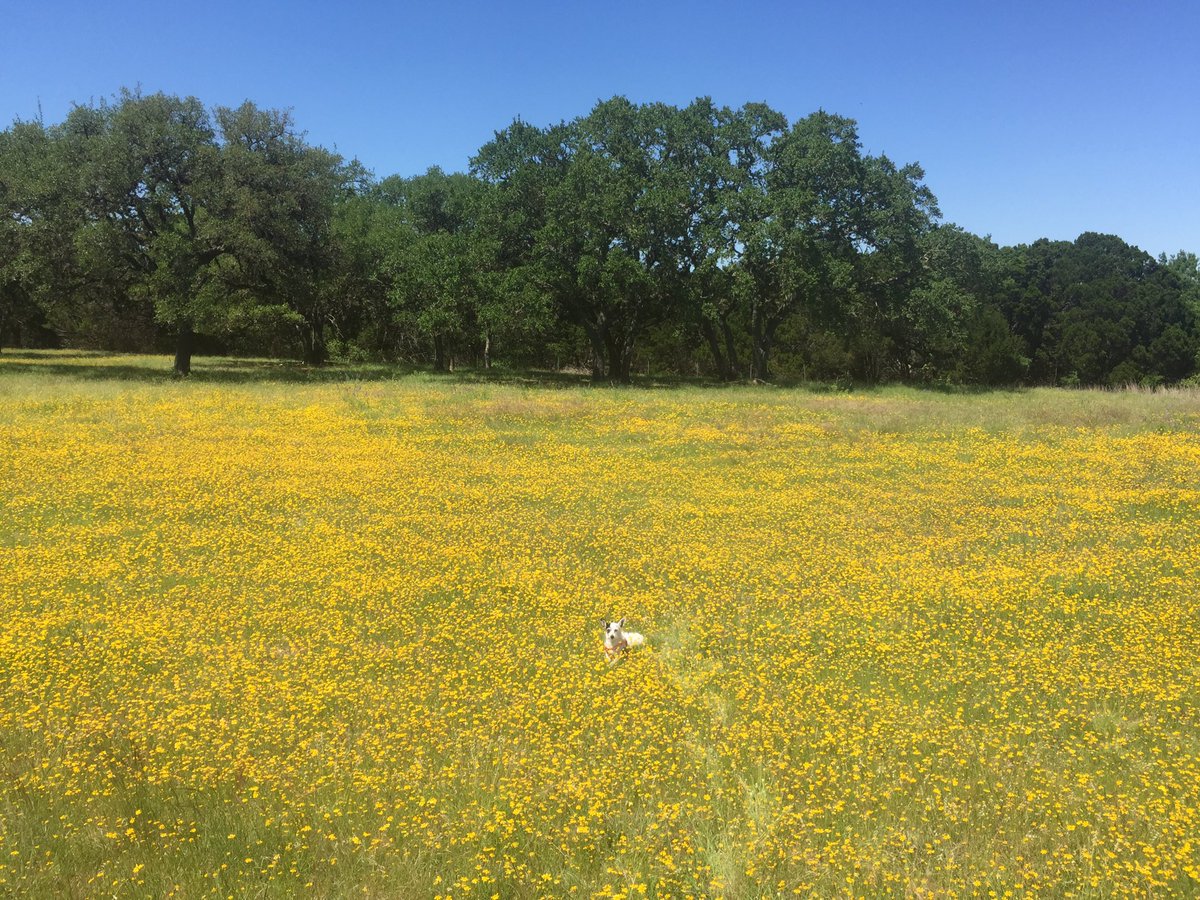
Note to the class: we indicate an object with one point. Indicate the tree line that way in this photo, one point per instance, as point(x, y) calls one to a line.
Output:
point(639, 237)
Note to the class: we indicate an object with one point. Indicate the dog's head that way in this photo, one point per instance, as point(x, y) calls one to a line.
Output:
point(614, 633)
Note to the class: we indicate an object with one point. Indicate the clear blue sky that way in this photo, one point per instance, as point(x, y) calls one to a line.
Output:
point(1031, 119)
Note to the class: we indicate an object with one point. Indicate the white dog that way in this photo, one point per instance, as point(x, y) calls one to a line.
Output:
point(617, 640)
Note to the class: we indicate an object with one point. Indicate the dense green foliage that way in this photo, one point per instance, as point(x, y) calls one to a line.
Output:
point(694, 240)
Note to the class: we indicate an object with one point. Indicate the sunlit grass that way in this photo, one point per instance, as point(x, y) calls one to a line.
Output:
point(261, 637)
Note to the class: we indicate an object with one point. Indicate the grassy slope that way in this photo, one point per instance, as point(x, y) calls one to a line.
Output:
point(260, 635)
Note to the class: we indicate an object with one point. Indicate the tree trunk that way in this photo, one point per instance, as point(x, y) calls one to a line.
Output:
point(619, 370)
point(487, 351)
point(313, 337)
point(620, 358)
point(735, 367)
point(599, 350)
point(439, 353)
point(762, 332)
point(714, 347)
point(183, 349)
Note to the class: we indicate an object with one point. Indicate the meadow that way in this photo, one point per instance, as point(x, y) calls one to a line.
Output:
point(267, 635)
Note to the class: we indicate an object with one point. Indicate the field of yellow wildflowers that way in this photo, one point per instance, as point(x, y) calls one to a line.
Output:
point(264, 639)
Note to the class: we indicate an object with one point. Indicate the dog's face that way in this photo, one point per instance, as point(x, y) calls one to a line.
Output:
point(613, 633)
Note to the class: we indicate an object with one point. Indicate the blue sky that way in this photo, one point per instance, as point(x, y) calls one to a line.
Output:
point(1031, 119)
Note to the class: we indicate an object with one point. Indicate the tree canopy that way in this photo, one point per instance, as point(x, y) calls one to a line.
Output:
point(693, 239)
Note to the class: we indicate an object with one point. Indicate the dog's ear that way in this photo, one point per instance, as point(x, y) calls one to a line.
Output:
point(604, 623)
point(621, 624)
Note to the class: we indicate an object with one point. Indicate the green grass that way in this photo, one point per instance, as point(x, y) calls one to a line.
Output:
point(900, 641)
